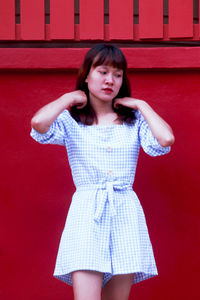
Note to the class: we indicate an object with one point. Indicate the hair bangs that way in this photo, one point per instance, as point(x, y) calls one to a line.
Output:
point(110, 56)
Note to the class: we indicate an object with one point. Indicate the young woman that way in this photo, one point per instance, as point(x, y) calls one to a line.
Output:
point(105, 241)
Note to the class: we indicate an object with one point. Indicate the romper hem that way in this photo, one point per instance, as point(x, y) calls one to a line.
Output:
point(138, 275)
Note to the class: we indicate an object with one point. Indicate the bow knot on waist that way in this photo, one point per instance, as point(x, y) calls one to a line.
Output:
point(109, 187)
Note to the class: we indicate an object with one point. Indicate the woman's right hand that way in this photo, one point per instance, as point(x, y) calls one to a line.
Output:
point(76, 98)
point(44, 117)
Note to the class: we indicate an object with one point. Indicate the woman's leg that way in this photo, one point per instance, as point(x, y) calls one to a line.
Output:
point(118, 287)
point(87, 285)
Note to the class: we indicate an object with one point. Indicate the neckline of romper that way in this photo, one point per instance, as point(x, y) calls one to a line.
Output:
point(106, 126)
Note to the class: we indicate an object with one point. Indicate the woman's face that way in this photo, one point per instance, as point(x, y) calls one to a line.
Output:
point(104, 82)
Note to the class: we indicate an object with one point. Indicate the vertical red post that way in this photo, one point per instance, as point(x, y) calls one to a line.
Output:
point(32, 20)
point(91, 19)
point(61, 19)
point(150, 19)
point(199, 15)
point(121, 19)
point(180, 18)
point(7, 20)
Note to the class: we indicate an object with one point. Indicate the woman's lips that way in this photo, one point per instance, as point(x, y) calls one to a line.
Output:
point(108, 90)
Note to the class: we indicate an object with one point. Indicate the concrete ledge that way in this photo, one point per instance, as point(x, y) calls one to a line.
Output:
point(71, 58)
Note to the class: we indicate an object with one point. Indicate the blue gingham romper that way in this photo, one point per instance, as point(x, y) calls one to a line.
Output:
point(105, 229)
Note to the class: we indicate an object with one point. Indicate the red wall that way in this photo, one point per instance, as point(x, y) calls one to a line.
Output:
point(36, 187)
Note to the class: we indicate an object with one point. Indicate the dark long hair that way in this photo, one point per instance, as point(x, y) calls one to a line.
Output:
point(103, 54)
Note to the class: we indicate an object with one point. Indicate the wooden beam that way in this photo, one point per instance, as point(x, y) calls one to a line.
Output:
point(150, 19)
point(62, 19)
point(121, 19)
point(7, 20)
point(91, 19)
point(32, 20)
point(180, 18)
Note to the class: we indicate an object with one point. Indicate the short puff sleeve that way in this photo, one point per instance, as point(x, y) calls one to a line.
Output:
point(58, 131)
point(148, 142)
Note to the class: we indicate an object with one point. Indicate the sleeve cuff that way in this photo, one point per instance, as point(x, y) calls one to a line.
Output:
point(41, 137)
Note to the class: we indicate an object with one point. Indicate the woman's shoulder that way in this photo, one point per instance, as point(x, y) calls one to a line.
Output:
point(65, 117)
point(65, 114)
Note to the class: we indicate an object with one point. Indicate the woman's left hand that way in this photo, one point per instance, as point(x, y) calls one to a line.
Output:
point(160, 129)
point(127, 101)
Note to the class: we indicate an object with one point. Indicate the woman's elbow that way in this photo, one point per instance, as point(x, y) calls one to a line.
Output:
point(38, 125)
point(35, 123)
point(167, 141)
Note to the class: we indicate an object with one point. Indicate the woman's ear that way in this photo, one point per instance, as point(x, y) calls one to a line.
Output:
point(86, 79)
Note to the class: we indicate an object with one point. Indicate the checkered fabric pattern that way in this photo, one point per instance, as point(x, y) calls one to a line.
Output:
point(105, 229)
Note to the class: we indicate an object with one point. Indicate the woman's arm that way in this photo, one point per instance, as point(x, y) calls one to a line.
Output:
point(44, 117)
point(160, 129)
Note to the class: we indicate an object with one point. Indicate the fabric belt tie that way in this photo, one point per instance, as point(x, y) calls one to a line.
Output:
point(109, 187)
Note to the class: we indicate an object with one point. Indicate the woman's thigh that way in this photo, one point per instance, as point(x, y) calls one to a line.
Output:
point(87, 285)
point(118, 287)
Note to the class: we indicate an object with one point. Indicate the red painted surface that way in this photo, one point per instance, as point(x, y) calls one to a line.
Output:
point(32, 20)
point(151, 18)
point(121, 19)
point(121, 26)
point(180, 18)
point(61, 19)
point(7, 20)
point(91, 19)
point(106, 37)
point(36, 186)
point(71, 58)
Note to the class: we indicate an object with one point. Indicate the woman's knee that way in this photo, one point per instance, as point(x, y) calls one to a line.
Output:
point(87, 284)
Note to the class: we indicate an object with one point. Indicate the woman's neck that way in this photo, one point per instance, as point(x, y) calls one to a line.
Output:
point(105, 115)
point(104, 111)
point(100, 107)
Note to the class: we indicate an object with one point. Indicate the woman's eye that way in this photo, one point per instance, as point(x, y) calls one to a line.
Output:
point(102, 72)
point(118, 75)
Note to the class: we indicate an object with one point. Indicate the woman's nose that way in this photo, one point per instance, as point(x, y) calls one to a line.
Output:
point(109, 78)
